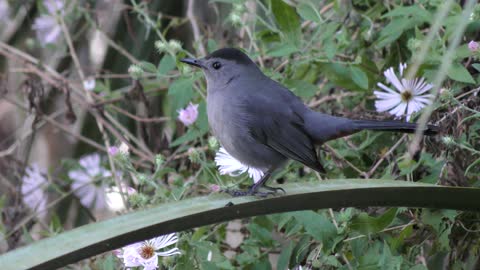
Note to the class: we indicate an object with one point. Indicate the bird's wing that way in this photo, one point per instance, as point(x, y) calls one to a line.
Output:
point(276, 123)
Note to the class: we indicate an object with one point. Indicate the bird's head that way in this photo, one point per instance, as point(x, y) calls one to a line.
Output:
point(224, 66)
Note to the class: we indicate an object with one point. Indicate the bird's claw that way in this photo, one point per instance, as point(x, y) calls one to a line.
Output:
point(275, 189)
point(254, 192)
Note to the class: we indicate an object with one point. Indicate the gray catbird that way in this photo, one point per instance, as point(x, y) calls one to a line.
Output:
point(263, 124)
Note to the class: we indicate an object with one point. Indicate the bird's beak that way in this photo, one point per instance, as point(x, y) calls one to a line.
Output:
point(193, 62)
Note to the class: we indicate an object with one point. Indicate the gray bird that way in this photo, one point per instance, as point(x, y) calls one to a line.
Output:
point(263, 124)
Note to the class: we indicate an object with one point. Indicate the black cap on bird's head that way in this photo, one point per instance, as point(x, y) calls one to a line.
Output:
point(224, 66)
point(230, 54)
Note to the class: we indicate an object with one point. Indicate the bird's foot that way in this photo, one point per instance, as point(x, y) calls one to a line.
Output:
point(254, 191)
point(275, 189)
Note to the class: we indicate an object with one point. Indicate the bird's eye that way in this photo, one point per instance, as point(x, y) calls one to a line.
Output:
point(216, 65)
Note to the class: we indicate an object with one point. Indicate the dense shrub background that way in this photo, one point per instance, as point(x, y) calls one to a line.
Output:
point(330, 53)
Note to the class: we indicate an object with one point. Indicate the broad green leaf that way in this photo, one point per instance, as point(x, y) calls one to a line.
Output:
point(180, 94)
point(302, 89)
point(149, 67)
point(288, 21)
point(366, 224)
point(459, 73)
point(212, 45)
point(392, 31)
point(102, 236)
point(284, 258)
point(359, 77)
point(261, 234)
point(387, 261)
point(282, 49)
point(330, 48)
point(338, 74)
point(318, 226)
point(166, 64)
point(474, 164)
point(307, 12)
point(436, 218)
point(476, 66)
point(191, 135)
point(415, 12)
point(405, 233)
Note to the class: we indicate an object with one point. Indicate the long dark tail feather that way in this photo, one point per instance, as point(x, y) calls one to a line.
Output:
point(396, 126)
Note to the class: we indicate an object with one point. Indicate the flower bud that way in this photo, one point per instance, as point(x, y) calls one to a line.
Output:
point(175, 45)
point(135, 71)
point(213, 143)
point(160, 46)
point(193, 155)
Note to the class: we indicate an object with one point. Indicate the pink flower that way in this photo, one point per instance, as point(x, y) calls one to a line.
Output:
point(473, 46)
point(188, 115)
point(215, 188)
point(113, 150)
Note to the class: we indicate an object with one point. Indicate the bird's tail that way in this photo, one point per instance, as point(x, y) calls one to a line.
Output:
point(396, 126)
point(322, 127)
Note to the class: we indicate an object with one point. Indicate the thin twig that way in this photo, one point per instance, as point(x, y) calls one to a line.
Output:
point(90, 100)
point(335, 153)
point(384, 230)
point(389, 152)
point(195, 28)
point(444, 67)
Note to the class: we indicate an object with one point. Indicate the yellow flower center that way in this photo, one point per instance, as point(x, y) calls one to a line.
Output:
point(147, 251)
point(406, 95)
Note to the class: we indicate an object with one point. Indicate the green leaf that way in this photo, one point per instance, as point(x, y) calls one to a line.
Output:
point(284, 258)
point(318, 226)
point(366, 224)
point(387, 261)
point(180, 94)
point(404, 233)
point(288, 21)
point(282, 49)
point(359, 77)
point(147, 66)
point(338, 74)
point(261, 234)
point(102, 236)
point(415, 12)
point(459, 73)
point(108, 263)
point(393, 31)
point(302, 89)
point(476, 66)
point(307, 12)
point(472, 165)
point(191, 135)
point(166, 64)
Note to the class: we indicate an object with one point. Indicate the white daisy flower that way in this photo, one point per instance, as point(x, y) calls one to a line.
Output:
point(124, 149)
point(227, 164)
point(407, 96)
point(87, 184)
point(47, 27)
point(114, 197)
point(146, 253)
point(33, 188)
point(89, 83)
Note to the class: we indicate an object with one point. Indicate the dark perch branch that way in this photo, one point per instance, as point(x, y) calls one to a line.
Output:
point(93, 239)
